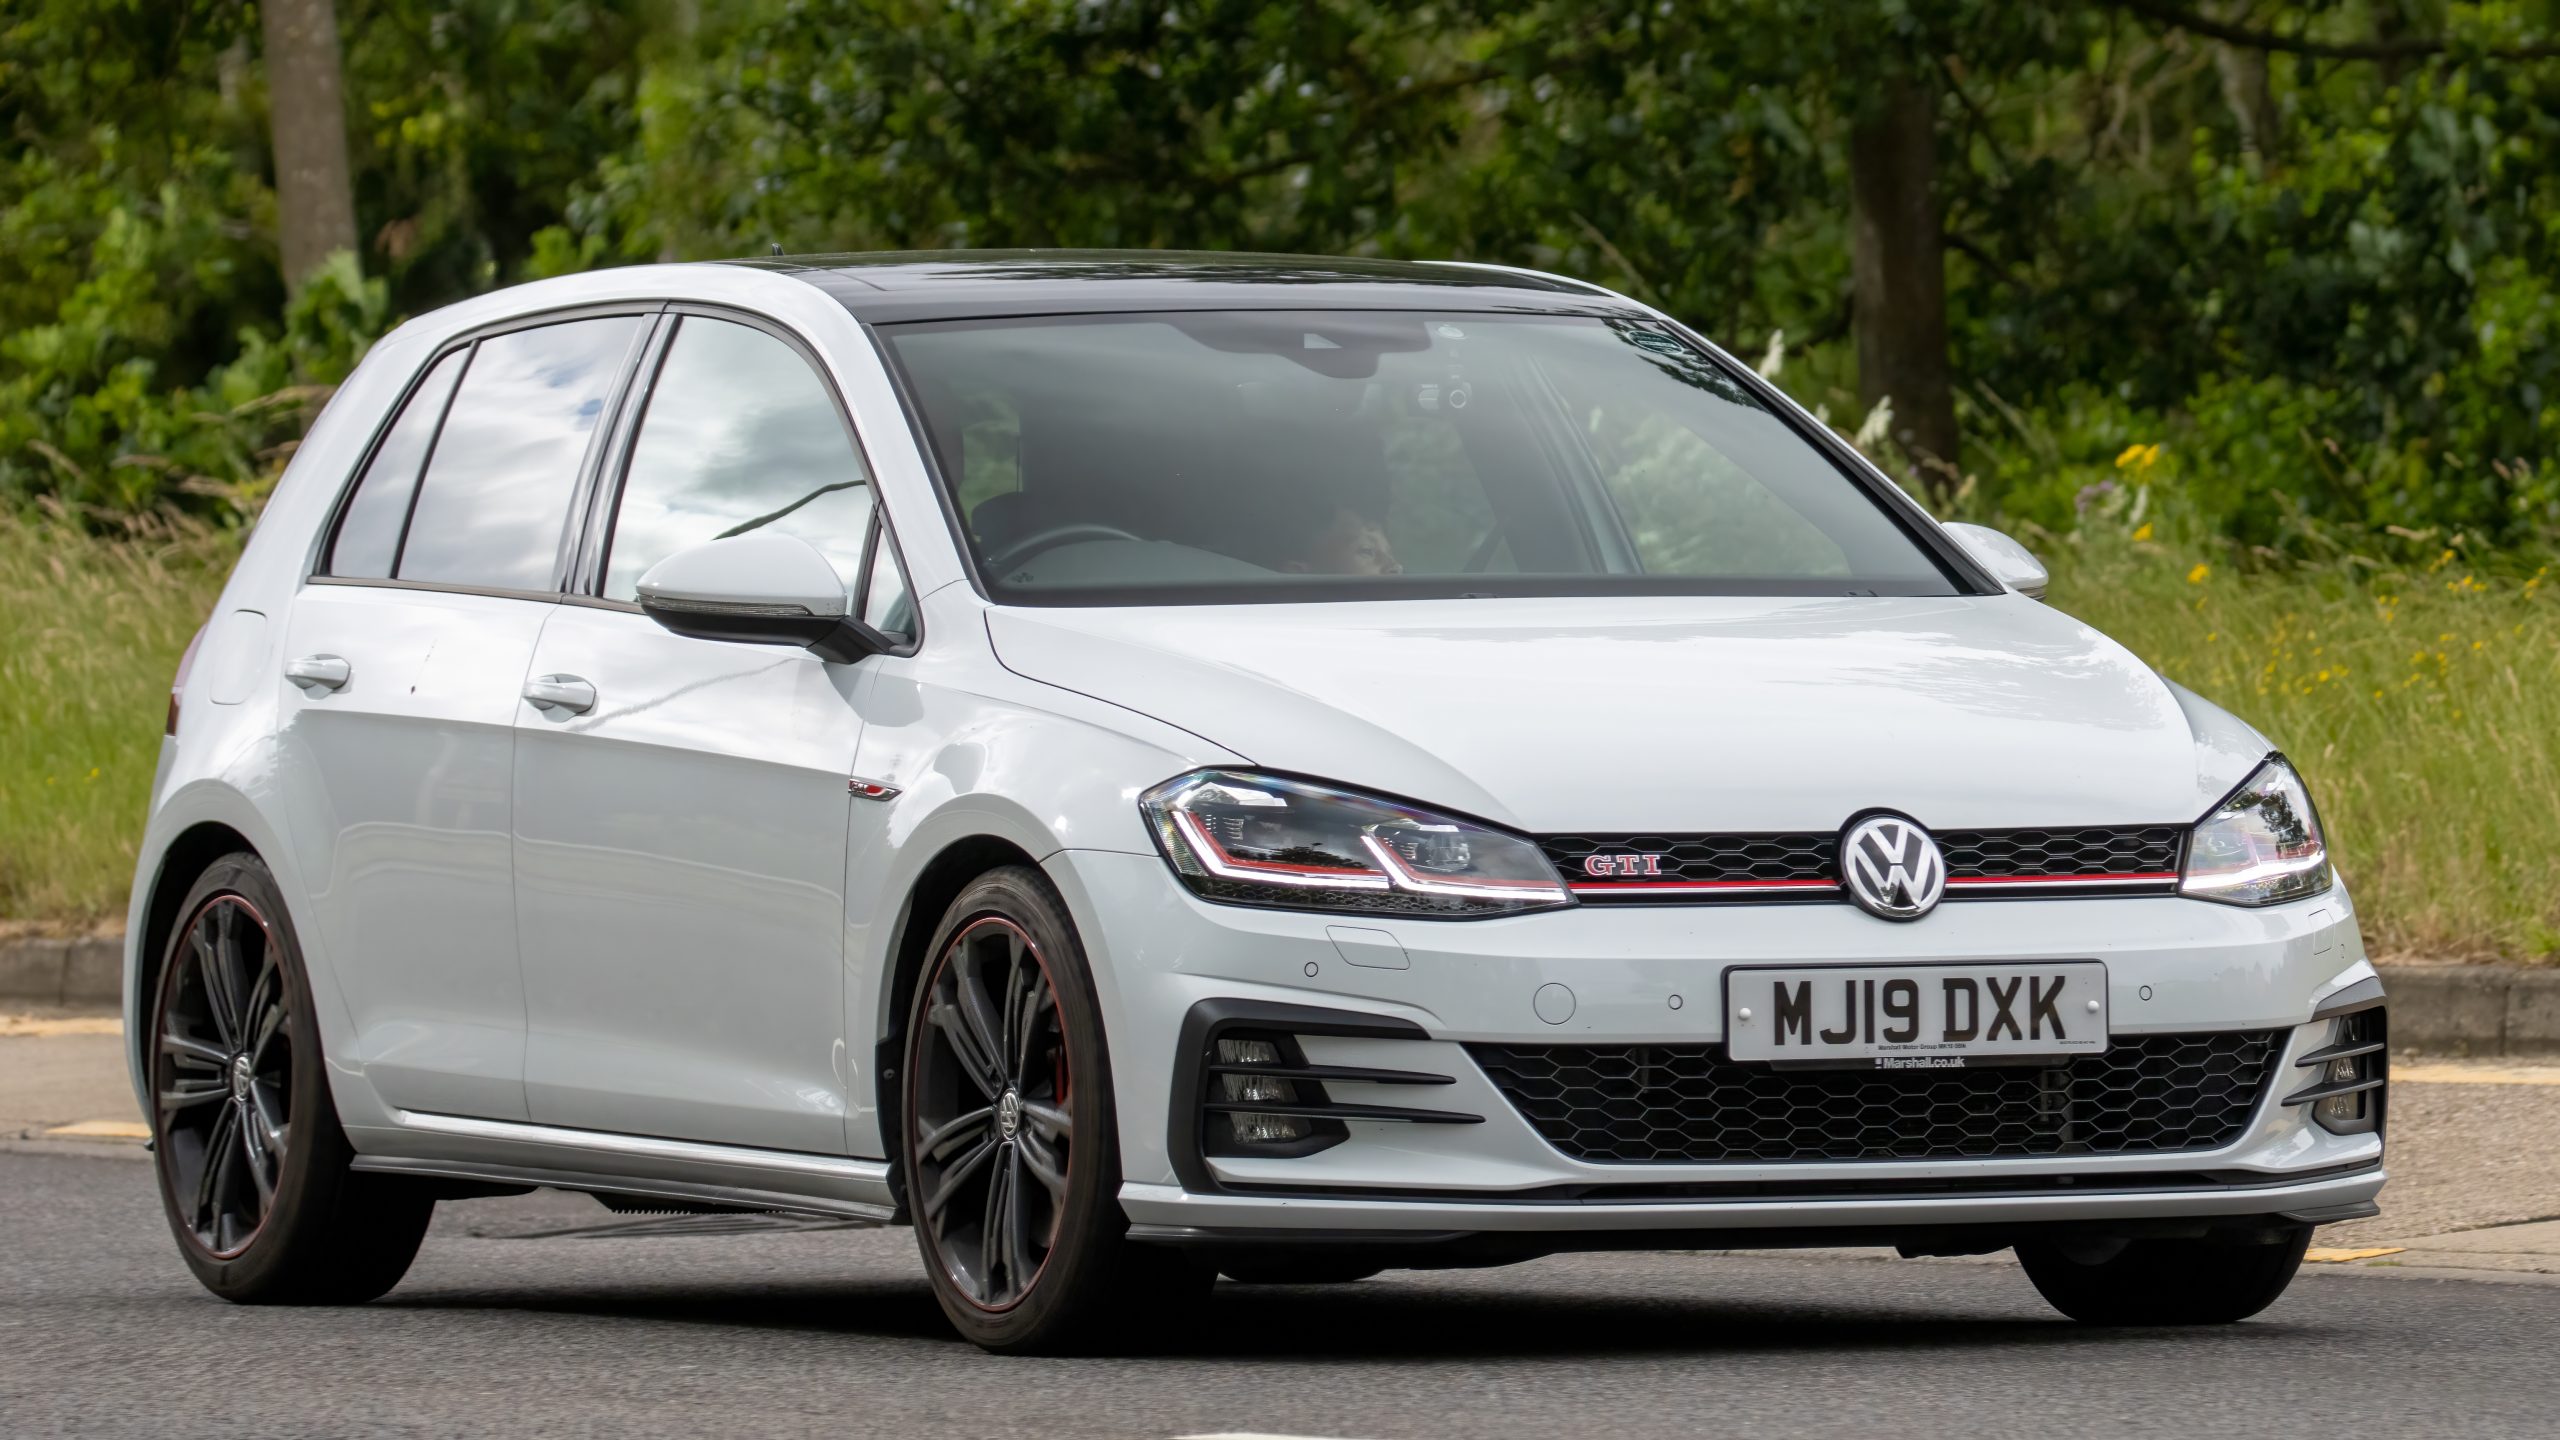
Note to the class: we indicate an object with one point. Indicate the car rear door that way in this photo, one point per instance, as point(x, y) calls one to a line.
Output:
point(681, 804)
point(405, 660)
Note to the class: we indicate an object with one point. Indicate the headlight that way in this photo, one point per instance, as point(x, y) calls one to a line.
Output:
point(1260, 840)
point(2260, 847)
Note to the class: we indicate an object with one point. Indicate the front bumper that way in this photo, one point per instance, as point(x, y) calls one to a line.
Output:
point(1654, 975)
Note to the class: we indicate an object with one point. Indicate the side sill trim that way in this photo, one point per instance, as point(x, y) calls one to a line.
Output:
point(648, 1146)
point(747, 1199)
point(467, 1147)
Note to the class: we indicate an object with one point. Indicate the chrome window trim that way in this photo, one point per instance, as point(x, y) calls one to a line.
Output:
point(438, 587)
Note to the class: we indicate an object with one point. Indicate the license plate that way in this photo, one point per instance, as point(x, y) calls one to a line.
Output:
point(1916, 1017)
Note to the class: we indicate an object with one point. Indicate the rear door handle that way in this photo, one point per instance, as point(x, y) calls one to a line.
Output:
point(319, 672)
point(561, 692)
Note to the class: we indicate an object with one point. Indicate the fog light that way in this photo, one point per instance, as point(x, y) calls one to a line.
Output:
point(1253, 1089)
point(1251, 1128)
point(1254, 1129)
point(1257, 1090)
point(2355, 1061)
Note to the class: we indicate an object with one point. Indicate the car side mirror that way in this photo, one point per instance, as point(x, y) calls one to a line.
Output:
point(759, 590)
point(2009, 562)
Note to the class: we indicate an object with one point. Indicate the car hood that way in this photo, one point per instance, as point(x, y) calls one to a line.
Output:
point(1689, 714)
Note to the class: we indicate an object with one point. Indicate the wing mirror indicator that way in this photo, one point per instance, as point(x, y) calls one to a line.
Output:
point(759, 590)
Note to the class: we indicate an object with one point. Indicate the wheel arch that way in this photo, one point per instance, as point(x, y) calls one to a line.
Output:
point(183, 861)
point(940, 882)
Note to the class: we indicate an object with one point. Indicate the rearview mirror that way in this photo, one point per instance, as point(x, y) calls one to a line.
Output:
point(758, 590)
point(2009, 562)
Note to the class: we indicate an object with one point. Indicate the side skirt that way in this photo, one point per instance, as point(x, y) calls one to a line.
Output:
point(506, 1152)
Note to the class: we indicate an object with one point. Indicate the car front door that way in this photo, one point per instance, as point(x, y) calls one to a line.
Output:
point(405, 657)
point(681, 804)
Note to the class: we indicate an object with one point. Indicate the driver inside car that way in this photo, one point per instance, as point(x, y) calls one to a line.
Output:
point(1347, 543)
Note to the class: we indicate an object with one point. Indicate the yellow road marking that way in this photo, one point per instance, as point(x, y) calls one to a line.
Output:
point(31, 1025)
point(2327, 1255)
point(2475, 1075)
point(101, 1130)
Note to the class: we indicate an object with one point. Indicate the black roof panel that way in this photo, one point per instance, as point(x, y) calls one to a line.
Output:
point(957, 284)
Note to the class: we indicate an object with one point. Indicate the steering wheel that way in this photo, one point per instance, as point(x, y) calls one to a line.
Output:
point(1011, 558)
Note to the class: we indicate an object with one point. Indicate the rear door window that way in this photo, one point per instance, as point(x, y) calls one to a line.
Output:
point(368, 540)
point(740, 437)
point(496, 493)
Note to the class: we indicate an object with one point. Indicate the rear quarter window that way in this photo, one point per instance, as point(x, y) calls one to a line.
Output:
point(367, 544)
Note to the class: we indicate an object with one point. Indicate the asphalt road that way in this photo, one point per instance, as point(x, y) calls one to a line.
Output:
point(547, 1315)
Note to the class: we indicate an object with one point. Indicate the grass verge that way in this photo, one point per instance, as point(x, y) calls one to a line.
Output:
point(90, 634)
point(2423, 704)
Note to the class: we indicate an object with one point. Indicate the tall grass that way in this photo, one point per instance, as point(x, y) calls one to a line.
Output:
point(2421, 702)
point(90, 634)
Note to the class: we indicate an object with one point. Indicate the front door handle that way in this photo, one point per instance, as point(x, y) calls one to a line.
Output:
point(561, 692)
point(320, 672)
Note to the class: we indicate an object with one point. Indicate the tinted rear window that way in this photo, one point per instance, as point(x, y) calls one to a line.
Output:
point(496, 493)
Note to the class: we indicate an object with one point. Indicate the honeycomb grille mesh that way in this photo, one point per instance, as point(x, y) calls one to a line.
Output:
point(2095, 852)
point(1667, 1104)
point(1706, 857)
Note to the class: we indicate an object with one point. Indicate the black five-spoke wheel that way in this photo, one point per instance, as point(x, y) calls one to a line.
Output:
point(222, 1074)
point(989, 1113)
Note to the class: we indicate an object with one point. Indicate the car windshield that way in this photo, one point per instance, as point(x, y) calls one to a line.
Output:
point(1243, 456)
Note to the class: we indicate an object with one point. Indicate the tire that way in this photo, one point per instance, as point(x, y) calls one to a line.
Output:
point(2164, 1282)
point(1017, 1205)
point(253, 1167)
point(1313, 1270)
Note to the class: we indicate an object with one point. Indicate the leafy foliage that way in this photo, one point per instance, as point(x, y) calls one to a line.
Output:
point(2335, 306)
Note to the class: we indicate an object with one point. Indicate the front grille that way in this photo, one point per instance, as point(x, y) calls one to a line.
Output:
point(1688, 1104)
point(2092, 851)
point(2096, 859)
point(1722, 858)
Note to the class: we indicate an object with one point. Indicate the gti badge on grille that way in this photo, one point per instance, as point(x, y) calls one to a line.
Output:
point(1601, 867)
point(1893, 867)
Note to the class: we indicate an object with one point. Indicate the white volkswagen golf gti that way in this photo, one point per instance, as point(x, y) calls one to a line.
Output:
point(1145, 767)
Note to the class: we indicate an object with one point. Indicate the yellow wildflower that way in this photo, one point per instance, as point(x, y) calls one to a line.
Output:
point(2142, 534)
point(2198, 575)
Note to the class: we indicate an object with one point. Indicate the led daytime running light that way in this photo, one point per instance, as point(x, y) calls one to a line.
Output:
point(1405, 878)
point(2260, 873)
point(1267, 872)
point(2261, 846)
point(1246, 838)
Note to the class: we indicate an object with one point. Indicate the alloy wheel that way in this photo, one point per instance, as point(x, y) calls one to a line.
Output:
point(989, 1130)
point(222, 1074)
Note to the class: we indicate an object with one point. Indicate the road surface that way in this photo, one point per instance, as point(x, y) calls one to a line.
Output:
point(548, 1315)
